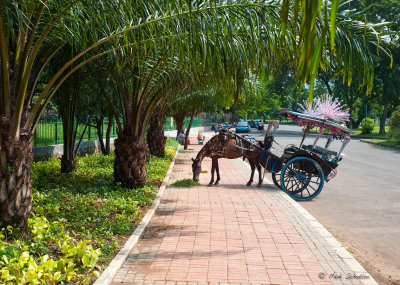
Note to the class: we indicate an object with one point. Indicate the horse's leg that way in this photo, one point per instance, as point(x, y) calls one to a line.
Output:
point(259, 168)
point(253, 167)
point(217, 169)
point(212, 172)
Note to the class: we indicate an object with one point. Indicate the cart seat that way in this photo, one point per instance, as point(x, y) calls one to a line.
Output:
point(320, 150)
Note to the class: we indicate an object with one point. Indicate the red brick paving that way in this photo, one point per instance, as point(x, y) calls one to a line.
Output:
point(229, 233)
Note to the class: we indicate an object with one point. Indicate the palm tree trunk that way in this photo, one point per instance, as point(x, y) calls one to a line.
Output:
point(155, 136)
point(67, 109)
point(99, 130)
point(179, 120)
point(188, 130)
point(108, 134)
point(383, 119)
point(130, 161)
point(15, 178)
point(68, 161)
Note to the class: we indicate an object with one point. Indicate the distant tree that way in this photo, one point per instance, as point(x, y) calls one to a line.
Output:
point(386, 69)
point(191, 103)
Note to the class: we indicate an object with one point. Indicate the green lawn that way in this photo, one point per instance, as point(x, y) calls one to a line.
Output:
point(383, 142)
point(375, 133)
point(77, 221)
point(376, 138)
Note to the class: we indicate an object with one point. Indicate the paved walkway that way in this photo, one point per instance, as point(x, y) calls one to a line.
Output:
point(234, 234)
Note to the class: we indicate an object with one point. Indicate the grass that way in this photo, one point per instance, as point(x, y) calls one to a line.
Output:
point(375, 133)
point(383, 142)
point(287, 122)
point(78, 220)
point(376, 138)
point(185, 183)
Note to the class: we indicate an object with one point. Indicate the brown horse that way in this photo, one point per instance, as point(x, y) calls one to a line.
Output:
point(226, 145)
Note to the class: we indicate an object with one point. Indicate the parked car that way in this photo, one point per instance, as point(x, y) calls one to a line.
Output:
point(242, 127)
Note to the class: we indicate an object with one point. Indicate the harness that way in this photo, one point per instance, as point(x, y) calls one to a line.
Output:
point(216, 153)
point(221, 148)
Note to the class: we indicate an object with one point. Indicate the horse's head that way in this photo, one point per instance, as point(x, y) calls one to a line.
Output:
point(196, 168)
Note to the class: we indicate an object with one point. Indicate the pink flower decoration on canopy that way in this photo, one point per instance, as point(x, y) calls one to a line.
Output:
point(332, 108)
point(325, 108)
point(310, 109)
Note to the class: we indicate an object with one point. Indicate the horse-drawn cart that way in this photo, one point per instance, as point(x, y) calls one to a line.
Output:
point(302, 170)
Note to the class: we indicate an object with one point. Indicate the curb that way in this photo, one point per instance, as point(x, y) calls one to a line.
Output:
point(109, 273)
point(339, 249)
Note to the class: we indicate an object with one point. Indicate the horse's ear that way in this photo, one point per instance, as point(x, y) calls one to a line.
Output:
point(192, 159)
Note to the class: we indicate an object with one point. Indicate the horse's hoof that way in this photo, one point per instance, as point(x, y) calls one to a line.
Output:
point(210, 184)
point(258, 185)
point(216, 183)
point(248, 184)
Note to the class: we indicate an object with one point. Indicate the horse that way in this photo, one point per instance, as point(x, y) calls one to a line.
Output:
point(226, 145)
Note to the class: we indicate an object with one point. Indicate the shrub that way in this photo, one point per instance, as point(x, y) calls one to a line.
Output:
point(394, 132)
point(172, 142)
point(48, 255)
point(76, 221)
point(367, 126)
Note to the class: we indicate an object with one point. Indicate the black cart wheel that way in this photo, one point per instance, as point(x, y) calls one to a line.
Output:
point(302, 178)
point(276, 177)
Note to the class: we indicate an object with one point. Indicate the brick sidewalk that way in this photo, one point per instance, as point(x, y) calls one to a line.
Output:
point(229, 233)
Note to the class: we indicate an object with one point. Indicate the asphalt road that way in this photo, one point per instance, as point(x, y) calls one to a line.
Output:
point(361, 206)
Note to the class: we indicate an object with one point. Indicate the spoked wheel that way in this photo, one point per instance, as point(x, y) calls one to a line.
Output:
point(302, 178)
point(276, 177)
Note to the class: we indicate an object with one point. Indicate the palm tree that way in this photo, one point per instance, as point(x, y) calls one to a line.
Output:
point(32, 33)
point(257, 34)
point(142, 85)
point(156, 138)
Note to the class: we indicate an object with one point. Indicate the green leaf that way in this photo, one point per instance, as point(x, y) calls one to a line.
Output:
point(57, 275)
point(332, 25)
point(85, 259)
